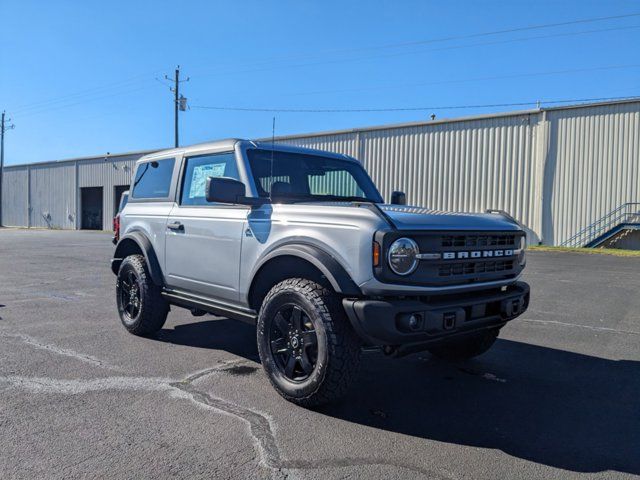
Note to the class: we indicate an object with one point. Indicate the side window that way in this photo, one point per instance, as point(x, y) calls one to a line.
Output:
point(198, 169)
point(153, 179)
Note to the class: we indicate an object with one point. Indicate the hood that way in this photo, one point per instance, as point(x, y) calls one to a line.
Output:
point(406, 217)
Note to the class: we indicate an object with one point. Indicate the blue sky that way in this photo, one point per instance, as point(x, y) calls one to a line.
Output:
point(81, 78)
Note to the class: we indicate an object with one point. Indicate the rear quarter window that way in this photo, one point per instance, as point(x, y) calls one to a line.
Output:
point(153, 179)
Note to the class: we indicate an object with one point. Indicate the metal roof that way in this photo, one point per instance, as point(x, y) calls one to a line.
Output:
point(105, 157)
point(513, 113)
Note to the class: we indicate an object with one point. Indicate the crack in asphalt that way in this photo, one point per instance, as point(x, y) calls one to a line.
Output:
point(260, 425)
point(47, 385)
point(58, 350)
point(262, 431)
point(575, 325)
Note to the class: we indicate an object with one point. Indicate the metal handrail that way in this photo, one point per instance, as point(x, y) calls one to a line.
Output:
point(614, 218)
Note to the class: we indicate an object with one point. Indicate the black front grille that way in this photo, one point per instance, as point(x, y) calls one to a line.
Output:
point(455, 257)
point(506, 240)
point(471, 268)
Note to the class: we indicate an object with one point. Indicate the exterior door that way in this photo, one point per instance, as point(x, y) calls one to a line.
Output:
point(203, 240)
point(91, 208)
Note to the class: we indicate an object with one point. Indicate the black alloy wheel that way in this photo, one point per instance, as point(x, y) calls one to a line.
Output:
point(141, 307)
point(129, 292)
point(293, 342)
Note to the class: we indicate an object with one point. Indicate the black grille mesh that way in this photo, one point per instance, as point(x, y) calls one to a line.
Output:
point(469, 268)
point(479, 240)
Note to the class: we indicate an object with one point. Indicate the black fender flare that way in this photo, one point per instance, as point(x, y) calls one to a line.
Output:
point(335, 273)
point(144, 244)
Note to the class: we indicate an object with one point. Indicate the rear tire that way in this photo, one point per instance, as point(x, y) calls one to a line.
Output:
point(141, 307)
point(466, 348)
point(307, 347)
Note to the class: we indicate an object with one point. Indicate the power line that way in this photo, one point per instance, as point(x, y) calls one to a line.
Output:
point(80, 102)
point(511, 30)
point(43, 106)
point(414, 52)
point(437, 40)
point(406, 109)
point(83, 93)
point(469, 80)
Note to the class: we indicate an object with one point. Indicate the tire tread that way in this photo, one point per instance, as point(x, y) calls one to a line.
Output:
point(342, 342)
point(154, 307)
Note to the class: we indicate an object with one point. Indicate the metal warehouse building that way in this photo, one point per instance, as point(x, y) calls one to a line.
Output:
point(569, 174)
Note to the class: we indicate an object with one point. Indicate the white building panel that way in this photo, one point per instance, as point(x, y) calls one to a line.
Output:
point(592, 166)
point(52, 192)
point(15, 197)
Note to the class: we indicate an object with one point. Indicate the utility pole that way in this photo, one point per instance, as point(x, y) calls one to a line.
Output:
point(3, 128)
point(179, 102)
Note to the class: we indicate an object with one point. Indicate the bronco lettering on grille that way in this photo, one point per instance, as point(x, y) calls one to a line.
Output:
point(469, 254)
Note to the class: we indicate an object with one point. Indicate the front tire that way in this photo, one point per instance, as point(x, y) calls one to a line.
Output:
point(141, 307)
point(466, 348)
point(307, 347)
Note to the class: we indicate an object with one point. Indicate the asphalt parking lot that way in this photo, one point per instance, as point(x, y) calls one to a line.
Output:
point(557, 397)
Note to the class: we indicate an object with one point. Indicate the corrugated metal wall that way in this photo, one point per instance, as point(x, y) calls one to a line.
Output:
point(107, 174)
point(15, 197)
point(346, 143)
point(555, 170)
point(48, 195)
point(53, 200)
point(592, 166)
point(463, 166)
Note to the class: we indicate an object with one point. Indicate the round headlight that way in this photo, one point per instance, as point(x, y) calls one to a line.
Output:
point(522, 256)
point(402, 256)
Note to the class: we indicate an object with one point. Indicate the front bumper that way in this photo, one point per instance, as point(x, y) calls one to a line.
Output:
point(435, 318)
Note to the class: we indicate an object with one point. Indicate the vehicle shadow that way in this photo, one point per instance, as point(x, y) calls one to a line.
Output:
point(557, 408)
point(219, 334)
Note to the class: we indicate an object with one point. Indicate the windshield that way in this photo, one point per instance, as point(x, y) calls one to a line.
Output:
point(303, 177)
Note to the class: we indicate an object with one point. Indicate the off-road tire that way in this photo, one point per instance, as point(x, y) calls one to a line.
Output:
point(338, 347)
point(153, 308)
point(467, 347)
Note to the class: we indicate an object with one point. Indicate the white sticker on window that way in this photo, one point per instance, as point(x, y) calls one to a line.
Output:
point(200, 175)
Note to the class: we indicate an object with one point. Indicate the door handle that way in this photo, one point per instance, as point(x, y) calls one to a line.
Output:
point(176, 226)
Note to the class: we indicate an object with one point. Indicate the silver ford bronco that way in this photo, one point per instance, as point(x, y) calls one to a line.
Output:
point(300, 243)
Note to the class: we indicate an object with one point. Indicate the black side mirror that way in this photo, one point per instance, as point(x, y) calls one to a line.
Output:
point(398, 198)
point(225, 190)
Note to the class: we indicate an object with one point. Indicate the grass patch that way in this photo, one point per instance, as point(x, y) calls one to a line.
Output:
point(589, 251)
